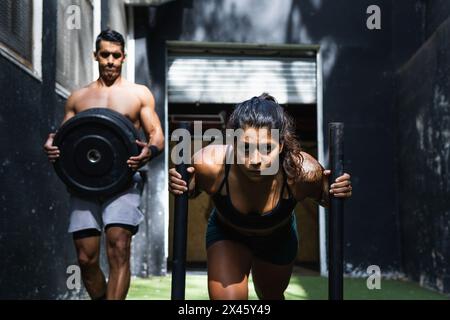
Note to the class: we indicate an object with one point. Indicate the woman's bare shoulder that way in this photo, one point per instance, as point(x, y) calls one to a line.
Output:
point(308, 184)
point(311, 168)
point(209, 166)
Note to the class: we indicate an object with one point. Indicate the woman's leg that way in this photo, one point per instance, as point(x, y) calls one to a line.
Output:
point(271, 280)
point(228, 268)
point(273, 261)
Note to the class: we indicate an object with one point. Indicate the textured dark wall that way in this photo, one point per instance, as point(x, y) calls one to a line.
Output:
point(35, 247)
point(424, 148)
point(436, 12)
point(149, 255)
point(358, 89)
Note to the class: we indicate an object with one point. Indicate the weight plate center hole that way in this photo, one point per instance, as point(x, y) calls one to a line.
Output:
point(94, 156)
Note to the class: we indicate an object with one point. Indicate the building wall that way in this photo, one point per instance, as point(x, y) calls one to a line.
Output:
point(436, 12)
point(423, 123)
point(35, 246)
point(153, 239)
point(114, 16)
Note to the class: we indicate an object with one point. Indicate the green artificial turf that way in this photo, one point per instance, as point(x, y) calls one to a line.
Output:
point(300, 288)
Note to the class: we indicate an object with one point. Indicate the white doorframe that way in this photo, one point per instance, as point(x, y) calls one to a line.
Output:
point(322, 156)
point(323, 159)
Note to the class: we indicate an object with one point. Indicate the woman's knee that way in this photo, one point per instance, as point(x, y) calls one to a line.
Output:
point(238, 291)
point(265, 293)
point(270, 280)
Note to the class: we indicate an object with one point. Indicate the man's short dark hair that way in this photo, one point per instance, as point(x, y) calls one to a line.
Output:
point(111, 36)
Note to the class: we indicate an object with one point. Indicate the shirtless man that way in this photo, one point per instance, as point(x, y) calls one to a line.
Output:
point(120, 214)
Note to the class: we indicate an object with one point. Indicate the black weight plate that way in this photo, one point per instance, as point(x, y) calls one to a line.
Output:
point(111, 113)
point(95, 146)
point(94, 155)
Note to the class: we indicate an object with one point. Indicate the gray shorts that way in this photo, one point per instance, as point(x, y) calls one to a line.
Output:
point(122, 209)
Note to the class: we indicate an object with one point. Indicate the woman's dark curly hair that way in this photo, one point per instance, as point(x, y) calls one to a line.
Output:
point(265, 112)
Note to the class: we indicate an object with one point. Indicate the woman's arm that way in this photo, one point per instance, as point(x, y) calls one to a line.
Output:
point(205, 169)
point(313, 183)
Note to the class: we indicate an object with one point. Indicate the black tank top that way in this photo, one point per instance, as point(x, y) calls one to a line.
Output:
point(253, 220)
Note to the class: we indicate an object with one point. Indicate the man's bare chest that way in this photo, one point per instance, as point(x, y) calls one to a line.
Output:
point(123, 102)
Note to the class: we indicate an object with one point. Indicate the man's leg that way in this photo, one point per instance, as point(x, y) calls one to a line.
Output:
point(87, 244)
point(121, 217)
point(118, 244)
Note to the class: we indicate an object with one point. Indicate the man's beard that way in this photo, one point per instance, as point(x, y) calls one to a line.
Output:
point(110, 74)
